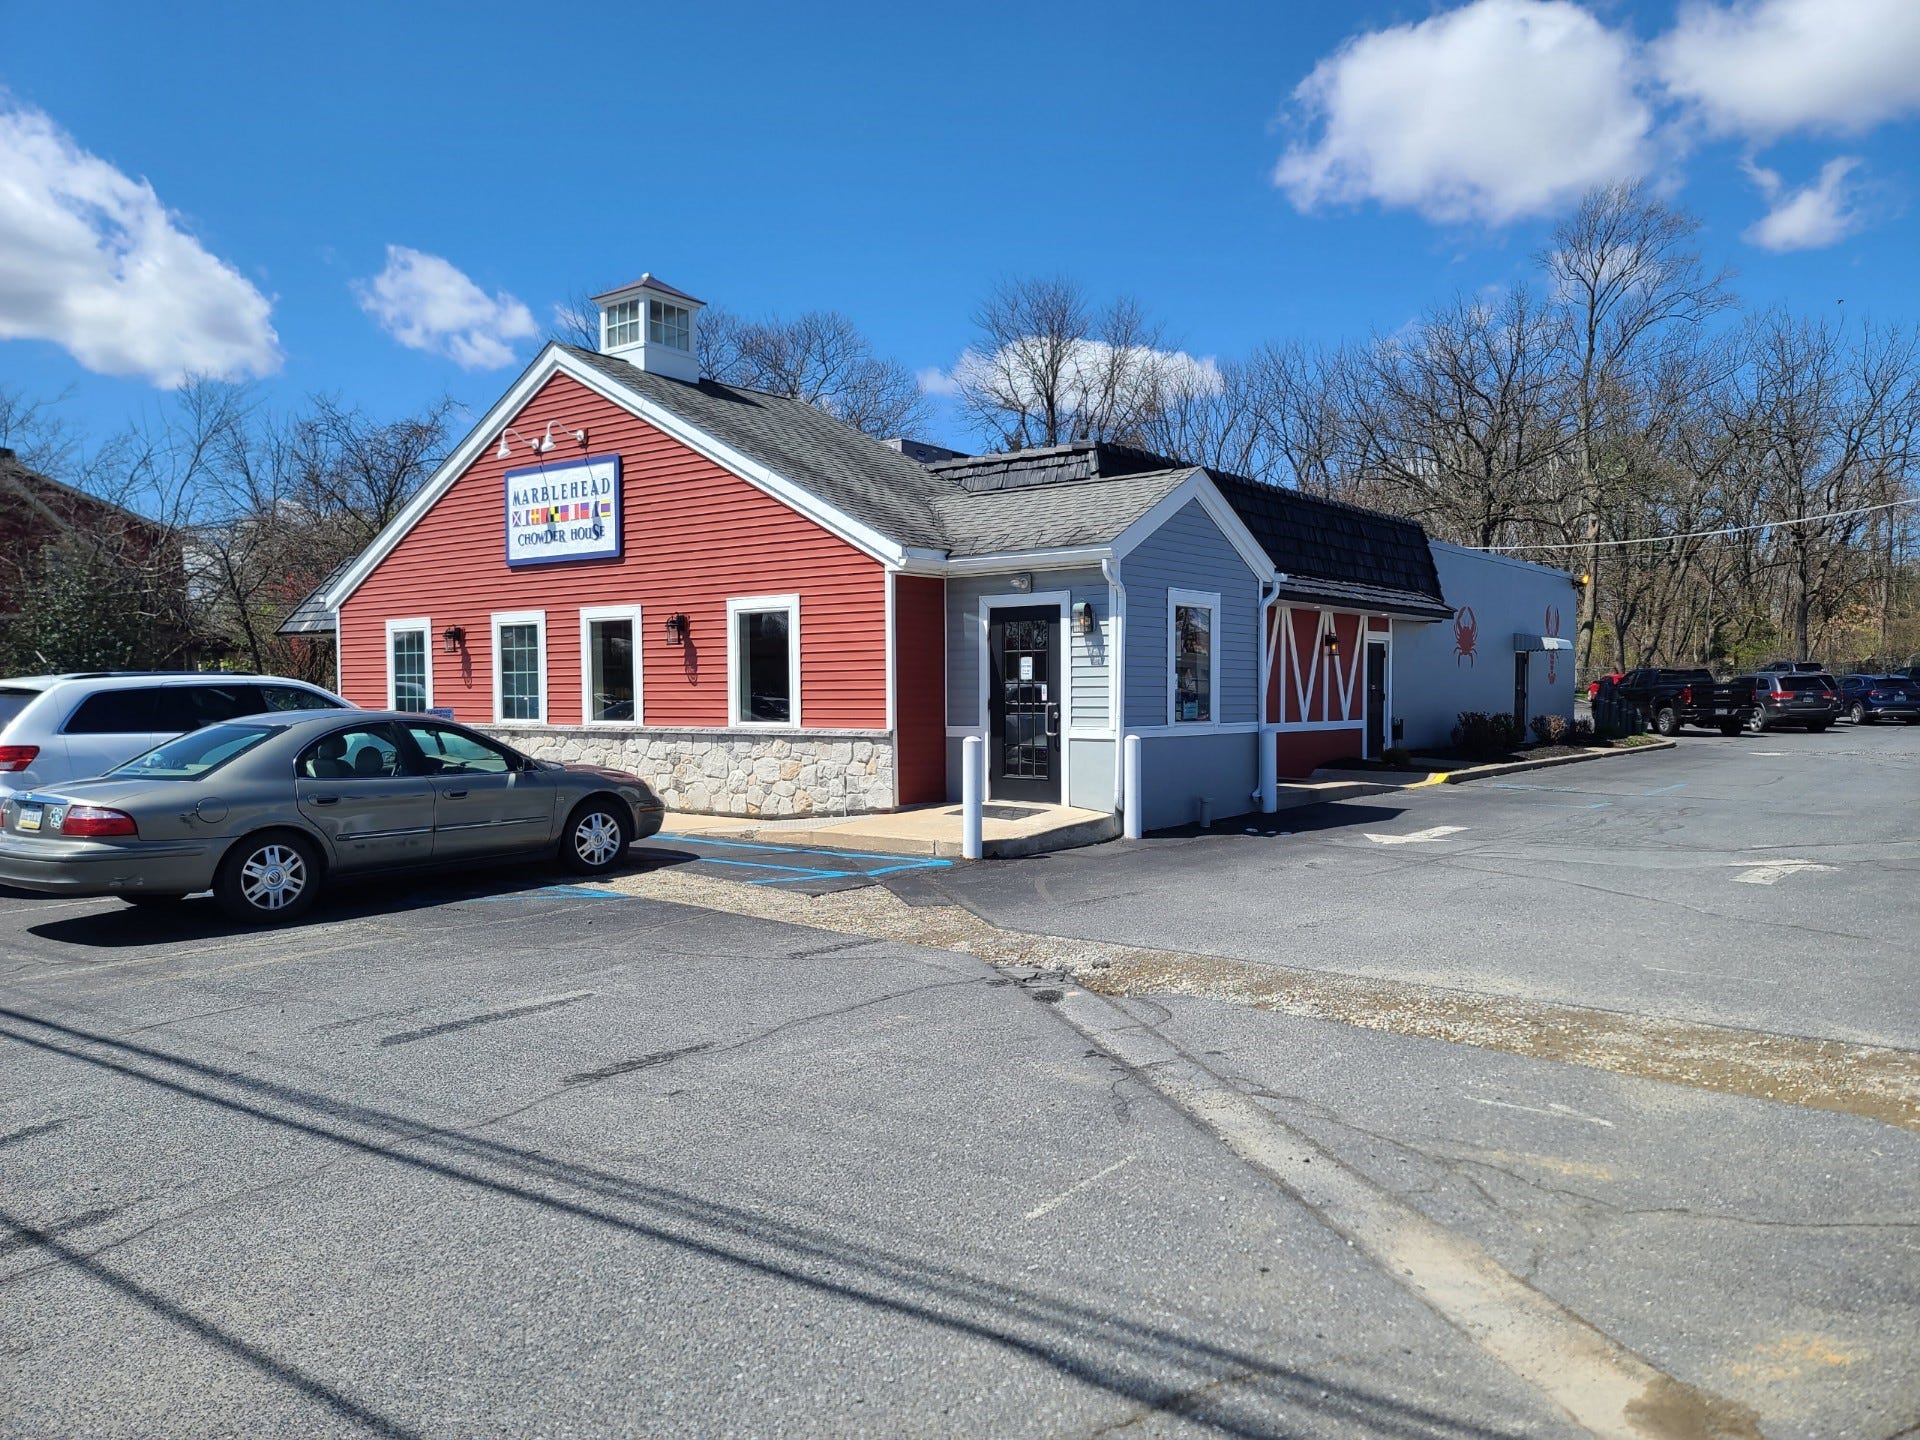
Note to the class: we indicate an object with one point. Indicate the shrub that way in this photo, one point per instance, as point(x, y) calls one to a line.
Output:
point(1580, 732)
point(1549, 729)
point(1478, 733)
point(1505, 732)
point(1398, 757)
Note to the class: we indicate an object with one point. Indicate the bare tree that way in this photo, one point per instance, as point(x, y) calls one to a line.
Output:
point(820, 357)
point(1624, 275)
point(1048, 368)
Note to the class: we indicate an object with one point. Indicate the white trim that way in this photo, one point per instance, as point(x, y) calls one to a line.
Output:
point(1194, 600)
point(1296, 728)
point(1060, 558)
point(554, 360)
point(890, 644)
point(1384, 639)
point(1087, 733)
point(423, 624)
point(1063, 601)
point(538, 619)
point(746, 604)
point(589, 614)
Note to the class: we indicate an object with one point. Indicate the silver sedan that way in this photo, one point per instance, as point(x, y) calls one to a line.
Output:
point(261, 810)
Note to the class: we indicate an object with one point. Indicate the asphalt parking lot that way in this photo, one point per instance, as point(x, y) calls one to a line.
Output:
point(507, 1153)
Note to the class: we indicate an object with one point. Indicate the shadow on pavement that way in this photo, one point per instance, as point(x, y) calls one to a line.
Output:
point(1163, 1368)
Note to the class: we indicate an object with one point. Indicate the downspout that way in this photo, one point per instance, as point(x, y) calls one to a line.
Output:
point(1116, 671)
point(1269, 771)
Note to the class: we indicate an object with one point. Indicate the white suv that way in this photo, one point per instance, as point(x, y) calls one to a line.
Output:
point(70, 727)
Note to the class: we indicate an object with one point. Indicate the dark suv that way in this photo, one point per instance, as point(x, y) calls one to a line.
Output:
point(1792, 699)
point(1866, 698)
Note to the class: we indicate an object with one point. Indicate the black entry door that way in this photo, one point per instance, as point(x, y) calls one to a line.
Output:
point(1376, 701)
point(1023, 704)
point(1520, 691)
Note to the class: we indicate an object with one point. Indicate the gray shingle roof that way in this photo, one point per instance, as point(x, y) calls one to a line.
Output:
point(1049, 465)
point(311, 616)
point(1060, 515)
point(851, 471)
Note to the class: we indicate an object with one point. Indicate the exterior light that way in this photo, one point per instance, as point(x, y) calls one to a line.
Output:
point(1330, 642)
point(1083, 617)
point(454, 635)
point(505, 449)
point(677, 627)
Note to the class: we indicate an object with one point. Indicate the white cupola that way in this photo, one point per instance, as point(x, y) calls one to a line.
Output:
point(650, 324)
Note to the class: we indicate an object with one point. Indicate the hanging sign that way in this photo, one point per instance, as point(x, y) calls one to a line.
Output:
point(567, 511)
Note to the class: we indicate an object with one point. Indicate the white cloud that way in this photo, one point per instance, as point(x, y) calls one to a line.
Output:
point(92, 261)
point(1766, 67)
point(428, 304)
point(1809, 217)
point(935, 381)
point(1493, 111)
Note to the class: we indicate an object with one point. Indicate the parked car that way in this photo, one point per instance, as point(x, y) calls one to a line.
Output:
point(263, 809)
point(1793, 667)
point(55, 728)
point(1793, 699)
point(1867, 698)
point(1612, 678)
point(1672, 698)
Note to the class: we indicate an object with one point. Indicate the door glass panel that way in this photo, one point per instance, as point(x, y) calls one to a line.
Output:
point(1025, 746)
point(610, 688)
point(116, 712)
point(365, 754)
point(1192, 663)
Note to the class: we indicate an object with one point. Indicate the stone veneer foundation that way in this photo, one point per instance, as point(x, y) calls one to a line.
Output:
point(732, 772)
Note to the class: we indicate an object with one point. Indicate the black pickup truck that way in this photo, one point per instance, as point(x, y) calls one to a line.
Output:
point(1672, 698)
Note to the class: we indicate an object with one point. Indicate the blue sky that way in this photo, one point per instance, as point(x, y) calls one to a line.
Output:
point(222, 188)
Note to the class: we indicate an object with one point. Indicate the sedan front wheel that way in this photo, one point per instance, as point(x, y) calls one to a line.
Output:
point(268, 879)
point(596, 837)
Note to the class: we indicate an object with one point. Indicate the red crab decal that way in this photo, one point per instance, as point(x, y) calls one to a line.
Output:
point(1466, 635)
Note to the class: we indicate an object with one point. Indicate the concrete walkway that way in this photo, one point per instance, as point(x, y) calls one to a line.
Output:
point(1006, 830)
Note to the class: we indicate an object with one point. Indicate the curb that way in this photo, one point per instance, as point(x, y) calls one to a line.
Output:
point(1515, 767)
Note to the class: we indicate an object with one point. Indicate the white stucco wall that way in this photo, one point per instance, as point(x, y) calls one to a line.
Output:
point(1493, 599)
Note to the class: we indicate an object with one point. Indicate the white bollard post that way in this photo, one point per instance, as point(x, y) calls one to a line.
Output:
point(1130, 788)
point(1269, 774)
point(973, 772)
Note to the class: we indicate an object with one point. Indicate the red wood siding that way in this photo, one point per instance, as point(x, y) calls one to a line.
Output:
point(1308, 685)
point(1301, 752)
point(920, 688)
point(694, 535)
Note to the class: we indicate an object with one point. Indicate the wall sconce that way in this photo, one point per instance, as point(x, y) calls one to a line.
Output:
point(1083, 617)
point(1582, 580)
point(454, 637)
point(1330, 642)
point(677, 628)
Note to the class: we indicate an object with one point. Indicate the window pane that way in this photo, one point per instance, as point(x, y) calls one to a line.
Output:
point(766, 679)
point(366, 754)
point(667, 325)
point(451, 752)
point(117, 712)
point(520, 672)
point(610, 688)
point(192, 756)
point(1192, 663)
point(410, 670)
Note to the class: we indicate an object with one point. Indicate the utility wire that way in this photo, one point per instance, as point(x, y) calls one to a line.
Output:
point(1698, 534)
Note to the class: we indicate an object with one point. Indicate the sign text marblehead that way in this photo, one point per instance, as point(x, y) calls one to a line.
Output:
point(565, 511)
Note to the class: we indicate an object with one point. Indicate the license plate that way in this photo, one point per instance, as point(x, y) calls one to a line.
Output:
point(30, 817)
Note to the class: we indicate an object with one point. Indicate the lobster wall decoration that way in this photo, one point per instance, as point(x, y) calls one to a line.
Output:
point(1466, 636)
point(1553, 629)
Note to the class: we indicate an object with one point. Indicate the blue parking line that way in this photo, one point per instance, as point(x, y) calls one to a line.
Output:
point(564, 892)
point(769, 865)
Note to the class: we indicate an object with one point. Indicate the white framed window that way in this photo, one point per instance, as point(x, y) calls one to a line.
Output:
point(621, 324)
point(410, 664)
point(669, 325)
point(610, 688)
point(520, 666)
point(763, 660)
point(1193, 664)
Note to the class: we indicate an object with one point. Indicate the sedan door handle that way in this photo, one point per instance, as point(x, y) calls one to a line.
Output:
point(326, 799)
point(455, 794)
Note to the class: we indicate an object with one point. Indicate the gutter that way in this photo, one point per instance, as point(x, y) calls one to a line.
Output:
point(1117, 673)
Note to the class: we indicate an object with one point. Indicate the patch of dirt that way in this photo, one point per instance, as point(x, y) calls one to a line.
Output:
point(1878, 1083)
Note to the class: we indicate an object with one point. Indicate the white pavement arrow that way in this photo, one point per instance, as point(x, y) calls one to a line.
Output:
point(1418, 837)
point(1766, 872)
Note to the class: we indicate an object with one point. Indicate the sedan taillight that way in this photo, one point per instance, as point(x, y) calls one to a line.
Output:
point(17, 757)
point(97, 820)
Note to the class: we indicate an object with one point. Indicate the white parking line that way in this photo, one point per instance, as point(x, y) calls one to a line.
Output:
point(1767, 872)
point(1552, 1112)
point(1418, 837)
point(1067, 1194)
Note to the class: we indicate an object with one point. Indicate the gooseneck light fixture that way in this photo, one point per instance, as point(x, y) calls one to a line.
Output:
point(539, 446)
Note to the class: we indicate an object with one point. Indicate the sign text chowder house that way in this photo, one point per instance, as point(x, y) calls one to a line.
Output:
point(564, 512)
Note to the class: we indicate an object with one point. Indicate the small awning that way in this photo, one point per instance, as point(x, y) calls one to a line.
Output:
point(1523, 643)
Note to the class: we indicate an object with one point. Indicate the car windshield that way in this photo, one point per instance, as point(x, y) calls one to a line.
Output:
point(192, 756)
